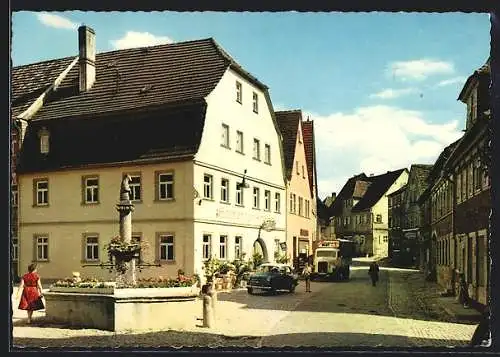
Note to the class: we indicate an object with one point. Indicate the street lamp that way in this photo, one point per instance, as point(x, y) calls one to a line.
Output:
point(243, 183)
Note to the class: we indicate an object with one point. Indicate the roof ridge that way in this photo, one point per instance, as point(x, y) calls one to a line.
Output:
point(120, 50)
point(288, 111)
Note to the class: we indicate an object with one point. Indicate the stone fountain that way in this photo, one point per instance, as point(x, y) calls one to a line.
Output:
point(119, 306)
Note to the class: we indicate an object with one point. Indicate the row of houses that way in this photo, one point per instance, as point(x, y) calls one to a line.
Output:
point(215, 171)
point(432, 216)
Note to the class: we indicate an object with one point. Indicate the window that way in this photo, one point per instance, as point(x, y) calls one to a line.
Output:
point(301, 202)
point(459, 188)
point(256, 197)
point(267, 200)
point(255, 103)
point(303, 172)
point(307, 209)
point(256, 149)
point(297, 167)
point(277, 202)
point(267, 154)
point(42, 248)
point(224, 190)
point(481, 260)
point(477, 175)
point(238, 247)
point(294, 203)
point(222, 247)
point(167, 247)
point(239, 92)
point(473, 106)
point(165, 186)
point(135, 187)
point(91, 189)
point(239, 142)
point(41, 192)
point(390, 222)
point(239, 195)
point(386, 239)
point(14, 196)
point(91, 248)
point(464, 184)
point(291, 202)
point(225, 136)
point(15, 249)
point(207, 186)
point(470, 179)
point(378, 218)
point(44, 141)
point(207, 243)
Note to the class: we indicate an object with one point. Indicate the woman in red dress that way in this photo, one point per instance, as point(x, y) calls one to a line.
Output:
point(30, 290)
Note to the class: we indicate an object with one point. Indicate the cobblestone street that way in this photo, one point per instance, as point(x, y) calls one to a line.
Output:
point(397, 312)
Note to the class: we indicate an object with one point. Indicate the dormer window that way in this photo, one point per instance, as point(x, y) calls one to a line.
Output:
point(44, 141)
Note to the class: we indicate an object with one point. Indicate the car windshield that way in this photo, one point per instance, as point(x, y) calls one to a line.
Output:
point(326, 253)
point(268, 268)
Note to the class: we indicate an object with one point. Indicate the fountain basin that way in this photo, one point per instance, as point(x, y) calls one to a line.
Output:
point(126, 309)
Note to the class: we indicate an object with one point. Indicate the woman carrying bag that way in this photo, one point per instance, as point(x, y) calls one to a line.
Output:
point(30, 290)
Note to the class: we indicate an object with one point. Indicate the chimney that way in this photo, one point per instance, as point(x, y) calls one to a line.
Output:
point(86, 45)
point(334, 195)
point(371, 175)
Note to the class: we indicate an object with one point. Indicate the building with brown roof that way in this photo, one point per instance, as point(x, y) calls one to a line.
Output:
point(468, 165)
point(300, 189)
point(194, 130)
point(404, 217)
point(360, 210)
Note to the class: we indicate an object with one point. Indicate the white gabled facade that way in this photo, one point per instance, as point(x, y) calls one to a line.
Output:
point(222, 221)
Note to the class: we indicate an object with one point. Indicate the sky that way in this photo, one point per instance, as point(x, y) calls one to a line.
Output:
point(382, 88)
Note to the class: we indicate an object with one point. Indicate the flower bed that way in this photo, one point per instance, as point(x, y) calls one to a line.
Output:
point(90, 284)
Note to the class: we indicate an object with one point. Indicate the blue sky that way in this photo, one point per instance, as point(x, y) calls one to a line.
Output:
point(381, 88)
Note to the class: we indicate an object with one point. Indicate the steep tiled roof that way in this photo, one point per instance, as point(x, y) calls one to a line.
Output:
point(288, 123)
point(29, 81)
point(135, 78)
point(140, 77)
point(380, 185)
point(344, 194)
point(323, 214)
point(149, 104)
point(482, 72)
point(308, 137)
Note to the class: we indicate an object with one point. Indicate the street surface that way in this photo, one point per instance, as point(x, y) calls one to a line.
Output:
point(395, 313)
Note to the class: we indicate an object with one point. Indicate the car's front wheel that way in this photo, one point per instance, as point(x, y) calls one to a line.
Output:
point(250, 290)
point(292, 288)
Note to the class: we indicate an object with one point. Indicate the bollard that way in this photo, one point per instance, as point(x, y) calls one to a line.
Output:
point(208, 317)
point(213, 295)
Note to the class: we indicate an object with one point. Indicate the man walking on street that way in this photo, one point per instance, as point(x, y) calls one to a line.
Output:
point(373, 272)
point(306, 273)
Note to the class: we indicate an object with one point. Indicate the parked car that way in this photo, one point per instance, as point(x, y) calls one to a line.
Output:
point(273, 277)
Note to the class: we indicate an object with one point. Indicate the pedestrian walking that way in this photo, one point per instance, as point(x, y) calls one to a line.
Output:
point(306, 273)
point(30, 292)
point(373, 272)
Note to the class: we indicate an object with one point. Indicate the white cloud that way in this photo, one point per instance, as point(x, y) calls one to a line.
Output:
point(419, 69)
point(375, 139)
point(450, 81)
point(56, 21)
point(392, 93)
point(139, 39)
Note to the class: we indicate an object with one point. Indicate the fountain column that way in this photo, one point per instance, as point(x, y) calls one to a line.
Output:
point(125, 209)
